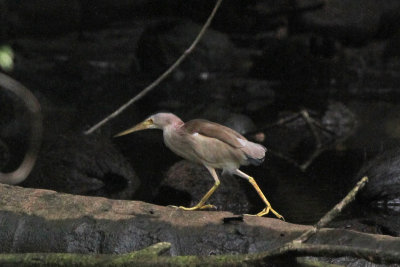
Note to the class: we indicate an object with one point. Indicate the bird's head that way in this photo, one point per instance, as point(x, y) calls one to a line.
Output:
point(156, 121)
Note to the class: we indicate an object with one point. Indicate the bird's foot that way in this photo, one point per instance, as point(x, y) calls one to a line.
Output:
point(197, 207)
point(266, 210)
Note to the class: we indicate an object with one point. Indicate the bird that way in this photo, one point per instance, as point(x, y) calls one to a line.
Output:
point(210, 144)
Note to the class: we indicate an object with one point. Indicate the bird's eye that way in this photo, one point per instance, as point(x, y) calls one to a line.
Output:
point(150, 121)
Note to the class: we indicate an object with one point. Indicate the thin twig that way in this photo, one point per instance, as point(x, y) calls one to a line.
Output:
point(273, 125)
point(318, 144)
point(284, 157)
point(297, 247)
point(334, 212)
point(33, 106)
point(322, 128)
point(304, 166)
point(304, 113)
point(313, 125)
point(162, 76)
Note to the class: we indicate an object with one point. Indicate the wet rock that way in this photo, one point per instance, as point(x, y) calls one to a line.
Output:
point(255, 16)
point(86, 165)
point(215, 112)
point(372, 70)
point(55, 17)
point(373, 136)
point(390, 54)
point(250, 95)
point(260, 94)
point(186, 183)
point(355, 21)
point(379, 202)
point(383, 188)
point(217, 99)
point(92, 67)
point(295, 138)
point(160, 46)
point(300, 62)
point(339, 120)
point(49, 16)
point(240, 123)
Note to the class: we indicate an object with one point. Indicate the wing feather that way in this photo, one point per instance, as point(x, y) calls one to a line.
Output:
point(217, 131)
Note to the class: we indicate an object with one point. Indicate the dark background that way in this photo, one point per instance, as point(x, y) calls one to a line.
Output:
point(261, 62)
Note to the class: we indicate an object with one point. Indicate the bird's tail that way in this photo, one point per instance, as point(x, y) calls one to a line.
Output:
point(255, 153)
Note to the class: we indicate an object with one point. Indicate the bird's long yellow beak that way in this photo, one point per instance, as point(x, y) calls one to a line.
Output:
point(138, 127)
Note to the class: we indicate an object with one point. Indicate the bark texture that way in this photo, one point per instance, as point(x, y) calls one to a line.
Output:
point(35, 220)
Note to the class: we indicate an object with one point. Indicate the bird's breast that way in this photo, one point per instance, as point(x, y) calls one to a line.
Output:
point(180, 143)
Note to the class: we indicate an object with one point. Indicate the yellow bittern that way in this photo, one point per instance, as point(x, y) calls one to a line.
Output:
point(211, 144)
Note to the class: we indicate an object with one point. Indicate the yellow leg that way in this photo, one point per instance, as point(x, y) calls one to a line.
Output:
point(201, 205)
point(268, 208)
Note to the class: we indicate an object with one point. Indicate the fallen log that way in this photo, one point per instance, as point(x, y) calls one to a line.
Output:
point(37, 220)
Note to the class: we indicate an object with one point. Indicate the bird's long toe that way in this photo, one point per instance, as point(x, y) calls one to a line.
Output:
point(208, 206)
point(277, 214)
point(199, 207)
point(267, 210)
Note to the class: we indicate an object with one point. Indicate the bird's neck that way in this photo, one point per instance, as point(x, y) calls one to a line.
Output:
point(175, 125)
point(173, 128)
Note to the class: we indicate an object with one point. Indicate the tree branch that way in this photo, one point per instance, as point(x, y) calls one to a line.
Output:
point(162, 76)
point(152, 256)
point(299, 250)
point(334, 212)
point(33, 106)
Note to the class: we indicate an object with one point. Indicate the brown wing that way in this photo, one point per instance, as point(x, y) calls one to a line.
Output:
point(214, 130)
